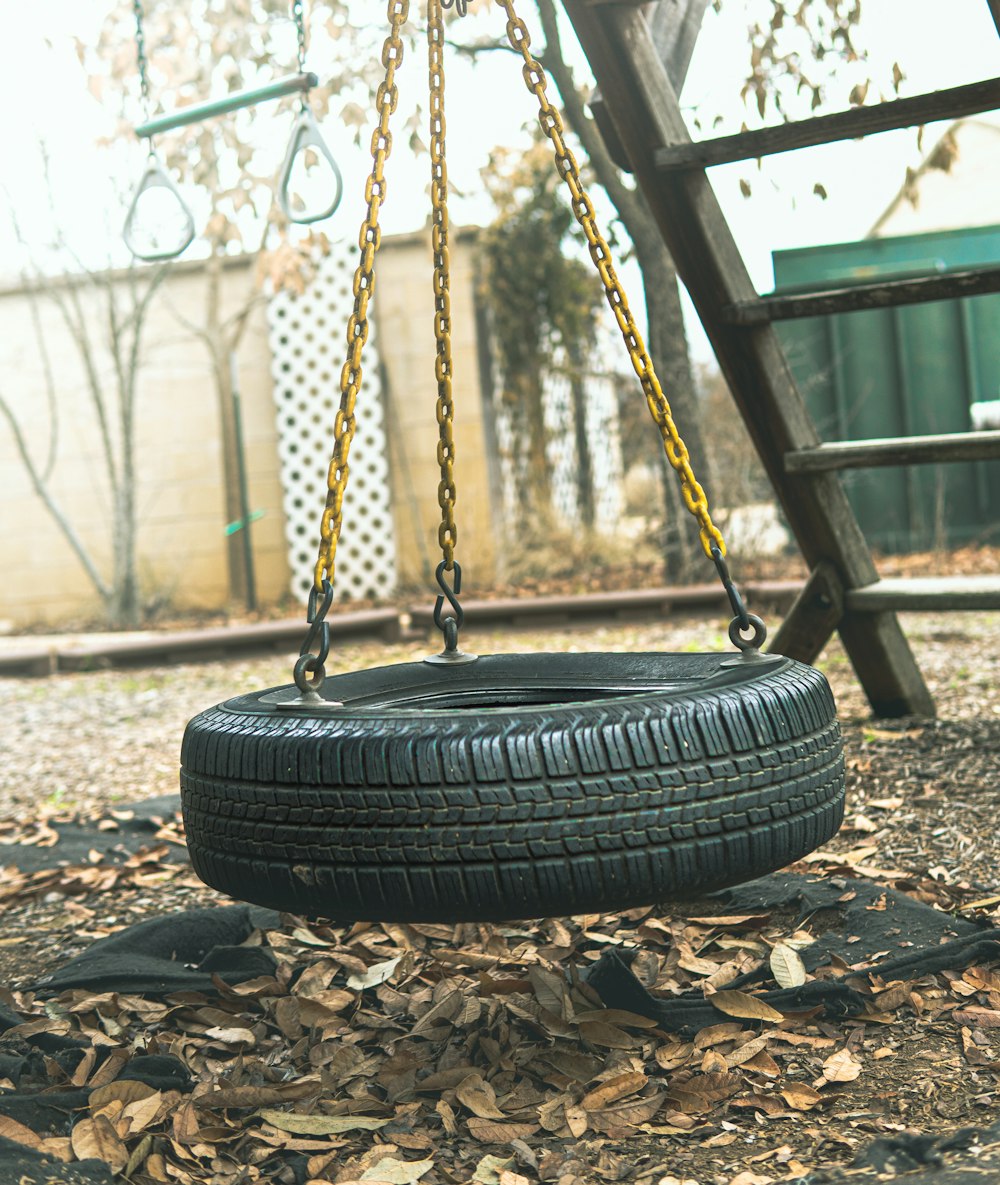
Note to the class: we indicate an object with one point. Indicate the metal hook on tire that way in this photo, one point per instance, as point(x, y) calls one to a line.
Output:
point(450, 625)
point(310, 670)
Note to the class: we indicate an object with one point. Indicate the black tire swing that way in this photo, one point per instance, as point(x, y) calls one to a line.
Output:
point(506, 786)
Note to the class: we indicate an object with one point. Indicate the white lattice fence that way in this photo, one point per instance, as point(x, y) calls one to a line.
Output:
point(307, 336)
point(601, 431)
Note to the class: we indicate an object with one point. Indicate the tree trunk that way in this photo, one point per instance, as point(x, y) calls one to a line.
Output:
point(584, 460)
point(530, 407)
point(126, 605)
point(668, 349)
point(219, 349)
point(667, 343)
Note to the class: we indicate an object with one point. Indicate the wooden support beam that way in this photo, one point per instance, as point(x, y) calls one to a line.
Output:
point(646, 113)
point(900, 450)
point(674, 27)
point(813, 618)
point(927, 594)
point(970, 99)
point(879, 294)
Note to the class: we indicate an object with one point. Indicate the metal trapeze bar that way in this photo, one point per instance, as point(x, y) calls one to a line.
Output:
point(234, 102)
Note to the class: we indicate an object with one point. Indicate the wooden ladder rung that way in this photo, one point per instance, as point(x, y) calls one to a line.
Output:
point(895, 450)
point(921, 593)
point(879, 294)
point(953, 103)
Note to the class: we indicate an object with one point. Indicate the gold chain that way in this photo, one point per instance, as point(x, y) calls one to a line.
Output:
point(552, 126)
point(364, 288)
point(447, 493)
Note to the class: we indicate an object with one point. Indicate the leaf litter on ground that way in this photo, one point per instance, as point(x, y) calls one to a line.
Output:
point(737, 1102)
point(390, 1053)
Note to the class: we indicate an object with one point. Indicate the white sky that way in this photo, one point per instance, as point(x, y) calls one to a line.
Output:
point(43, 95)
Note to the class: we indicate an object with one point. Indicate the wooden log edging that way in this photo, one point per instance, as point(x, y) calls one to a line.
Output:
point(389, 625)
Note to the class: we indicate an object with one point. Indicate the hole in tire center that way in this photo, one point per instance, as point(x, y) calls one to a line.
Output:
point(482, 699)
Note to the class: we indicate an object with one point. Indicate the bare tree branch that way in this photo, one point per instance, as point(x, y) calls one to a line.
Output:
point(626, 201)
point(41, 488)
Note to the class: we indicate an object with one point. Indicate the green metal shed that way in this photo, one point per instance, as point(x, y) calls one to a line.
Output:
point(904, 371)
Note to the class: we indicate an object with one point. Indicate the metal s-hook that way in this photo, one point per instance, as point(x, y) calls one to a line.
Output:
point(743, 622)
point(156, 177)
point(306, 134)
point(450, 625)
point(310, 667)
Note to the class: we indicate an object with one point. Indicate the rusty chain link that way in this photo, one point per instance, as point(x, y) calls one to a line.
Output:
point(583, 210)
point(447, 531)
point(364, 286)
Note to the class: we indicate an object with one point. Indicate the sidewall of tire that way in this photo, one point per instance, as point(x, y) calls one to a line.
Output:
point(516, 813)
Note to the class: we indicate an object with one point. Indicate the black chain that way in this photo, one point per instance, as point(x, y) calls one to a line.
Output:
point(300, 33)
point(140, 53)
point(461, 6)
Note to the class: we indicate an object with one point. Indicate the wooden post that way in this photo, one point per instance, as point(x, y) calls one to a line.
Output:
point(644, 109)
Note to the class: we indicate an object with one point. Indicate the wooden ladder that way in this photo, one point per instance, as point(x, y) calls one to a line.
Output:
point(843, 591)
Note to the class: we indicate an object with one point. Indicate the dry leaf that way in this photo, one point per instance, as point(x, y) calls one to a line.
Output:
point(552, 1113)
point(445, 1079)
point(672, 1057)
point(746, 1051)
point(549, 989)
point(259, 1096)
point(800, 1097)
point(614, 1089)
point(841, 1066)
point(97, 1139)
point(716, 1034)
point(618, 1121)
point(141, 1112)
point(397, 1172)
point(768, 1103)
point(609, 1036)
point(713, 1062)
point(734, 1003)
point(376, 974)
point(617, 1016)
point(980, 1018)
point(787, 967)
point(12, 1130)
point(447, 1115)
point(488, 1131)
point(479, 1097)
point(577, 1121)
point(488, 1170)
point(722, 1140)
point(731, 919)
point(510, 1178)
point(763, 1063)
point(231, 1036)
point(319, 1125)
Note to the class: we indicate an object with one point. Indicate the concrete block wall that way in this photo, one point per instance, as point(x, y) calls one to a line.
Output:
point(181, 511)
